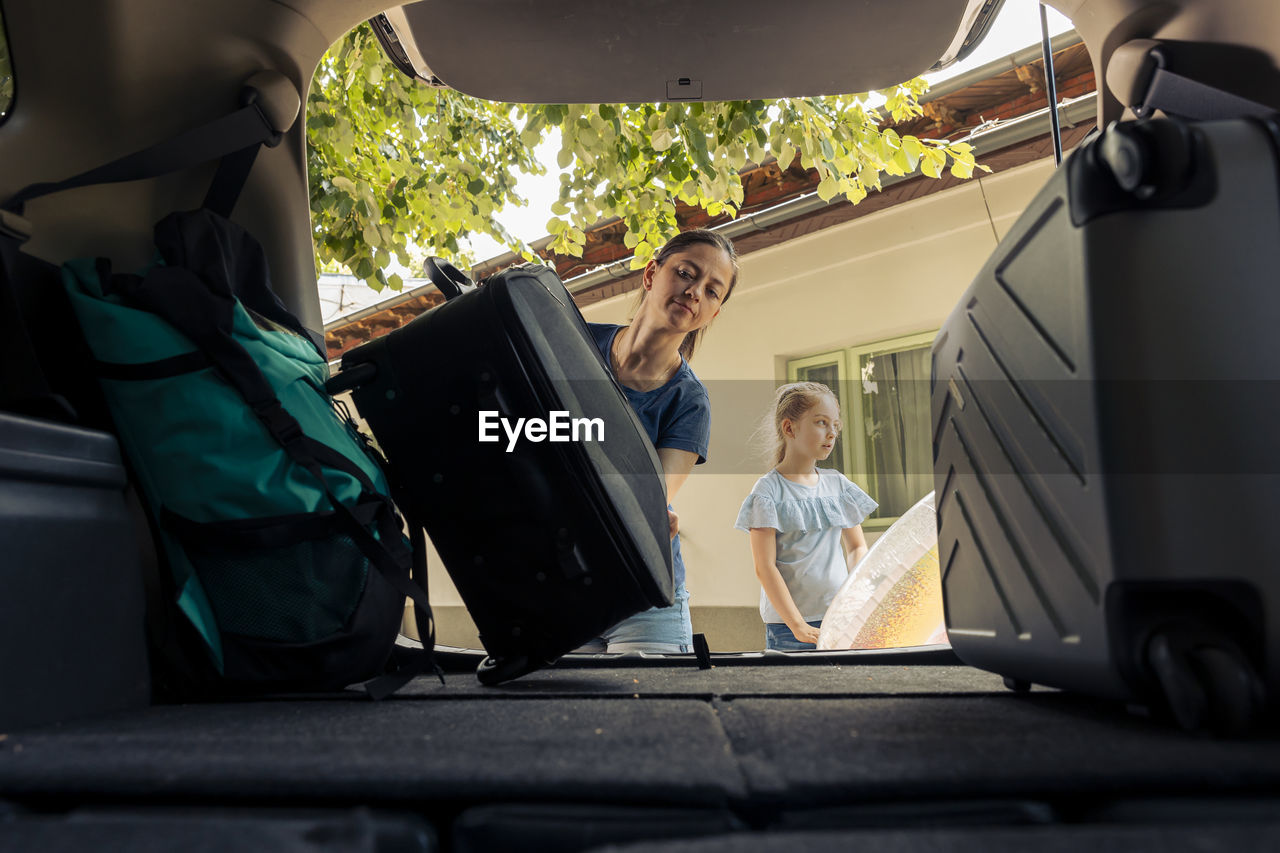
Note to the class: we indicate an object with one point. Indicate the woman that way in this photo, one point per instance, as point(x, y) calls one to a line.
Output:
point(685, 285)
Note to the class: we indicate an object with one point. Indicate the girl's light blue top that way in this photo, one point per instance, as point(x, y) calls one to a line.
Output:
point(808, 521)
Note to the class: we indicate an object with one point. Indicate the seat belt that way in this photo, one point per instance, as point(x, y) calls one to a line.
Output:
point(269, 106)
point(253, 125)
point(1157, 86)
point(1180, 96)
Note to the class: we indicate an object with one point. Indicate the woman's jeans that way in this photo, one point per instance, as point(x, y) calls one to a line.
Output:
point(779, 637)
point(660, 630)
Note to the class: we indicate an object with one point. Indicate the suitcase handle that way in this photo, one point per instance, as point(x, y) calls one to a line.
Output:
point(447, 278)
point(351, 378)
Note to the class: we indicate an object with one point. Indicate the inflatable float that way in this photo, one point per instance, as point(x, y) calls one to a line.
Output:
point(893, 597)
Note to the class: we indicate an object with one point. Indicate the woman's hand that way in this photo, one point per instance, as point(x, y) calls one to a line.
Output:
point(805, 633)
point(676, 465)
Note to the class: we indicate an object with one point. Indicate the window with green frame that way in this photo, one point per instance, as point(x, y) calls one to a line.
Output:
point(883, 389)
point(6, 75)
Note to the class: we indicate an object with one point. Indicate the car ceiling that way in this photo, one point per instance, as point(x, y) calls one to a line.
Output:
point(569, 51)
point(639, 51)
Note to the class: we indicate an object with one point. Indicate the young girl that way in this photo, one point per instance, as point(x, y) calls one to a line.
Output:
point(798, 515)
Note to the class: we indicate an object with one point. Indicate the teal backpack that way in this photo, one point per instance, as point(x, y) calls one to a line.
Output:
point(274, 516)
point(287, 564)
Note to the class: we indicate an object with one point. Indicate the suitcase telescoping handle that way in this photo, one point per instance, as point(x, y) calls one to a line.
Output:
point(447, 278)
point(351, 378)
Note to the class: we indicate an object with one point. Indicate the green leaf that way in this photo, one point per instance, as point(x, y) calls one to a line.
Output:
point(700, 155)
point(786, 155)
point(828, 188)
point(913, 150)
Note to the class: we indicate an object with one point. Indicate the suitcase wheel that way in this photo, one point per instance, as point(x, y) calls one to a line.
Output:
point(493, 670)
point(1207, 685)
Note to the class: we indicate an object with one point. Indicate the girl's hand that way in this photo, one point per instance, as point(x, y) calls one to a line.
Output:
point(673, 523)
point(806, 633)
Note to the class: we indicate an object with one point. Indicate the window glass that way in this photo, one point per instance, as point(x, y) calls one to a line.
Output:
point(894, 392)
point(829, 370)
point(6, 74)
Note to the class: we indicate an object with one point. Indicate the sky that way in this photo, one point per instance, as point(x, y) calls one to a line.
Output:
point(1016, 27)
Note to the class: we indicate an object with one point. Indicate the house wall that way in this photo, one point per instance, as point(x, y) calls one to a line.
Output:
point(895, 272)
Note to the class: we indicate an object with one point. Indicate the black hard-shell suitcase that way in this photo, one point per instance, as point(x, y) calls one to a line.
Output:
point(1104, 405)
point(549, 543)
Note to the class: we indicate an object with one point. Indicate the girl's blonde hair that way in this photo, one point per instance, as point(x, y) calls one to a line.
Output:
point(790, 402)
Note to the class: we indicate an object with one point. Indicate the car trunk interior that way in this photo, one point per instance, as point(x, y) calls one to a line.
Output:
point(906, 750)
point(570, 759)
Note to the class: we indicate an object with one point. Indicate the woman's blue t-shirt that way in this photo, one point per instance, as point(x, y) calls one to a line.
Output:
point(676, 415)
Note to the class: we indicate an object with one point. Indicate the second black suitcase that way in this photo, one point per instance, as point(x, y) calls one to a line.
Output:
point(553, 530)
point(1104, 409)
